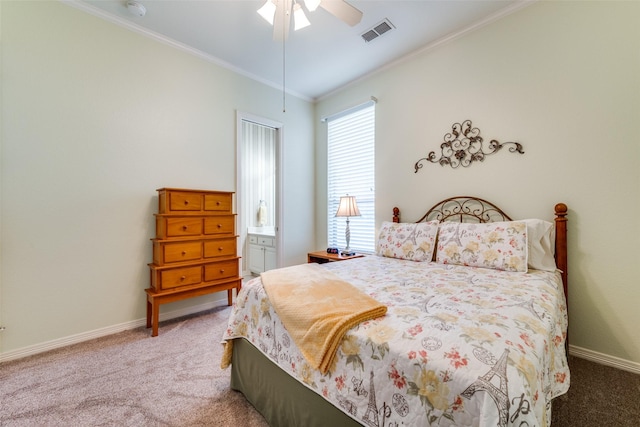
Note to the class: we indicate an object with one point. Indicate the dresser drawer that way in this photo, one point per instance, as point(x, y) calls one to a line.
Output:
point(220, 247)
point(266, 241)
point(180, 200)
point(221, 270)
point(217, 202)
point(219, 224)
point(258, 239)
point(183, 201)
point(176, 277)
point(167, 226)
point(168, 252)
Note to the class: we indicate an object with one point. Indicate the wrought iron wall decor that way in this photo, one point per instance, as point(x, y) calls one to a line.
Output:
point(463, 146)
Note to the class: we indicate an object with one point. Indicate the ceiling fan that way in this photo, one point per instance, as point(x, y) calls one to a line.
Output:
point(279, 13)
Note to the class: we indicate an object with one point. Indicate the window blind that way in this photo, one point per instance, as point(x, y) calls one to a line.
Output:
point(351, 171)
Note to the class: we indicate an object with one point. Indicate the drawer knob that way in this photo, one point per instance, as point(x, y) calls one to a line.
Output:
point(183, 277)
point(184, 252)
point(184, 228)
point(219, 225)
point(218, 203)
point(222, 270)
point(186, 202)
point(220, 248)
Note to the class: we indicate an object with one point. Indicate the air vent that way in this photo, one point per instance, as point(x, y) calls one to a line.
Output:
point(377, 31)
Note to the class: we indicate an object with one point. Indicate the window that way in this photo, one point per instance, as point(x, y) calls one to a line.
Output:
point(351, 171)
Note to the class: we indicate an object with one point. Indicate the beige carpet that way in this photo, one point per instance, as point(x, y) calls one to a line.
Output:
point(131, 379)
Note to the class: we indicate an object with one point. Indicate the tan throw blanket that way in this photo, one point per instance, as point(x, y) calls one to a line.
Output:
point(317, 308)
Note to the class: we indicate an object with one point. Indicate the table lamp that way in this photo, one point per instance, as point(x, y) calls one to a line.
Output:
point(348, 207)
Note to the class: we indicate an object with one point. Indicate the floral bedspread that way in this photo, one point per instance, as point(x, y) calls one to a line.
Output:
point(459, 346)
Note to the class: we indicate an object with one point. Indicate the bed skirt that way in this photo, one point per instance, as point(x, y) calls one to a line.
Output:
point(281, 399)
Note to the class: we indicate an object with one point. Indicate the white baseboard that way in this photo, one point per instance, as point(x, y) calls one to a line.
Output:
point(583, 353)
point(604, 359)
point(97, 333)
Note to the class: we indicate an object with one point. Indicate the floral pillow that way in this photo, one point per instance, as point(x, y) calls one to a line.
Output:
point(497, 245)
point(412, 241)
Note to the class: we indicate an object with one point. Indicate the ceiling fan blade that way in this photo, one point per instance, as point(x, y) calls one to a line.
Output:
point(342, 10)
point(282, 20)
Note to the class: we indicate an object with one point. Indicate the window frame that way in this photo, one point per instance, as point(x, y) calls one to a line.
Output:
point(352, 133)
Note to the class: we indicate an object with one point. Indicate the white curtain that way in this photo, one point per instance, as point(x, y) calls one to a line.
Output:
point(259, 170)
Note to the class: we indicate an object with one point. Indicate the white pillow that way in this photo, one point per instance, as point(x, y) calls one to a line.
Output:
point(541, 236)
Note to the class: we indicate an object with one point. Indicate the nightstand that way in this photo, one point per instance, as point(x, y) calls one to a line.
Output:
point(320, 257)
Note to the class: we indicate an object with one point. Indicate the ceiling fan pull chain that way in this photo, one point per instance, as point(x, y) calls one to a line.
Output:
point(284, 109)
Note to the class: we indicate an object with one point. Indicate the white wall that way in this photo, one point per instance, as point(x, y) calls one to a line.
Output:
point(562, 79)
point(95, 119)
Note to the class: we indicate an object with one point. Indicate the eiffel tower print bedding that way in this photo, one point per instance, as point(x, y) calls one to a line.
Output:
point(458, 346)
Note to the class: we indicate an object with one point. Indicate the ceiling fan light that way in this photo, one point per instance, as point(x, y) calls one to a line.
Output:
point(299, 18)
point(268, 11)
point(312, 5)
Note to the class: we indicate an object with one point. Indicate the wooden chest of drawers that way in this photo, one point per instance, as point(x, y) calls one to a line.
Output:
point(195, 248)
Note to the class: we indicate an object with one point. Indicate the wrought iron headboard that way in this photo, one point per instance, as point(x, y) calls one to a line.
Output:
point(462, 209)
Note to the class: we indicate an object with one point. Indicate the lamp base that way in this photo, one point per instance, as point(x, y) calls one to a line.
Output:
point(347, 253)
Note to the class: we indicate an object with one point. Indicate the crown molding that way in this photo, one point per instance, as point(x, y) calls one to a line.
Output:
point(437, 43)
point(121, 22)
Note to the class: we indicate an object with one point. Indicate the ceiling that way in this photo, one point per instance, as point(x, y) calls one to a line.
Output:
point(317, 59)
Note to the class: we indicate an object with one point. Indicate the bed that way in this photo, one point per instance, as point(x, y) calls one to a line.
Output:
point(474, 334)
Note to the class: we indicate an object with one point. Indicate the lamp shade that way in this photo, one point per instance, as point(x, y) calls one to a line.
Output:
point(267, 11)
point(299, 18)
point(348, 207)
point(312, 5)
